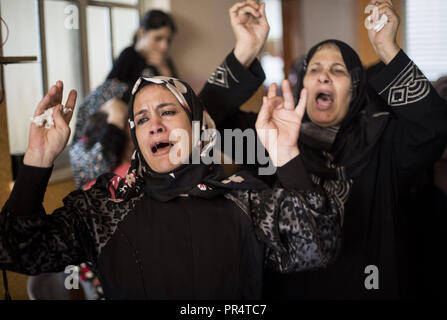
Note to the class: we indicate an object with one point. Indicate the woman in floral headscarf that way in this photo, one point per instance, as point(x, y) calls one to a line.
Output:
point(171, 230)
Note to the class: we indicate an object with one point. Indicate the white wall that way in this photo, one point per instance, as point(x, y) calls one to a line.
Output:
point(164, 5)
point(328, 19)
point(203, 39)
point(205, 36)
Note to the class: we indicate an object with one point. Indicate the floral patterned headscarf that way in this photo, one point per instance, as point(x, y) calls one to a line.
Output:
point(202, 180)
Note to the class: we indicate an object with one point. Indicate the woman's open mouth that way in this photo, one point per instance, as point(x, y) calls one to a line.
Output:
point(161, 147)
point(324, 101)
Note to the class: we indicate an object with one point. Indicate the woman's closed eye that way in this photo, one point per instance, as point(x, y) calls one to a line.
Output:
point(169, 112)
point(161, 38)
point(339, 71)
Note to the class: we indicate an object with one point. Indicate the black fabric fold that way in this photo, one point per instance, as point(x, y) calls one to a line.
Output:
point(293, 175)
point(31, 184)
point(387, 73)
point(113, 140)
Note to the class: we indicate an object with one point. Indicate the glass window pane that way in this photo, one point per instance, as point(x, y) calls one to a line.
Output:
point(132, 2)
point(22, 21)
point(124, 25)
point(63, 50)
point(23, 82)
point(272, 58)
point(425, 36)
point(99, 47)
point(163, 5)
point(23, 86)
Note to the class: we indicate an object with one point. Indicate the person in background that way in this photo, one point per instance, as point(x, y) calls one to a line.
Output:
point(105, 150)
point(241, 63)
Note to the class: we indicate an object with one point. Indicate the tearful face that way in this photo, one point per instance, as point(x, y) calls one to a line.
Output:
point(158, 118)
point(329, 87)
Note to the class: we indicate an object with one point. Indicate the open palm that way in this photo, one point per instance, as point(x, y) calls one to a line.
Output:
point(45, 145)
point(279, 122)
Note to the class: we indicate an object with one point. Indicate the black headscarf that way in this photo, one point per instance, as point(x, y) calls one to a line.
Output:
point(341, 152)
point(440, 86)
point(201, 180)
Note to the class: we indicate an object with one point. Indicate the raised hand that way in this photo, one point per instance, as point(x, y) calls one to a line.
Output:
point(279, 122)
point(250, 28)
point(45, 145)
point(384, 42)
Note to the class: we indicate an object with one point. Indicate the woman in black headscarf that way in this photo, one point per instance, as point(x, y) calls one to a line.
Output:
point(363, 142)
point(170, 230)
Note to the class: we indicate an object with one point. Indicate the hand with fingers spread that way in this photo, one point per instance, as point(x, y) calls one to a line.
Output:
point(384, 42)
point(279, 122)
point(45, 145)
point(250, 28)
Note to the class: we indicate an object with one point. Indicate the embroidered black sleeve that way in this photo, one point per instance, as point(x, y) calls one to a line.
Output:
point(301, 230)
point(229, 87)
point(401, 82)
point(33, 242)
point(43, 243)
point(420, 130)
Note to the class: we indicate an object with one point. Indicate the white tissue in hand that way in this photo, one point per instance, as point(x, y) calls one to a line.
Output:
point(373, 21)
point(47, 117)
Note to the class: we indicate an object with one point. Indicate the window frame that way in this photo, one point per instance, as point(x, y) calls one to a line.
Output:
point(62, 168)
point(412, 54)
point(82, 10)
